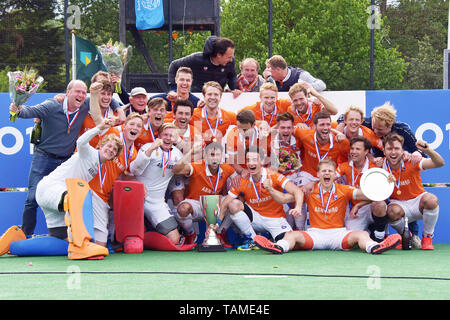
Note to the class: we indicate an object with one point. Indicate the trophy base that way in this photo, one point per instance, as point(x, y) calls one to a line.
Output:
point(211, 248)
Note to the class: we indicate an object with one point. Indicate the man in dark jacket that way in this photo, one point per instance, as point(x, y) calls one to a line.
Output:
point(215, 63)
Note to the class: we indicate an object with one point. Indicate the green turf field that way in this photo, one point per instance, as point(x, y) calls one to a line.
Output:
point(232, 275)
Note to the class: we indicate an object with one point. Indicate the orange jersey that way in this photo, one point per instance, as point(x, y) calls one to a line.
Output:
point(114, 169)
point(258, 198)
point(212, 126)
point(282, 105)
point(353, 175)
point(308, 117)
point(203, 182)
point(334, 150)
point(408, 181)
point(323, 217)
point(89, 123)
point(148, 135)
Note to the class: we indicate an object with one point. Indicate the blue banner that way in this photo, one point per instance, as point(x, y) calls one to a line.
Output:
point(15, 148)
point(149, 14)
point(426, 112)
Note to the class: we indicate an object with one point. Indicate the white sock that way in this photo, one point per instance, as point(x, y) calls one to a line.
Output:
point(284, 244)
point(185, 223)
point(398, 225)
point(429, 220)
point(241, 220)
point(370, 245)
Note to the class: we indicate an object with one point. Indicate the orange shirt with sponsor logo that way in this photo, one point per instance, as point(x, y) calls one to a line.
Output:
point(212, 127)
point(260, 199)
point(335, 214)
point(308, 117)
point(282, 105)
point(310, 159)
point(114, 169)
point(202, 181)
point(407, 180)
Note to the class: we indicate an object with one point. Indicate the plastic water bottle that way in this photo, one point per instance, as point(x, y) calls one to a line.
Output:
point(406, 237)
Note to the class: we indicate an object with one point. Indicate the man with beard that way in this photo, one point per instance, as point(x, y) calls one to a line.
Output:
point(304, 109)
point(409, 198)
point(260, 212)
point(363, 216)
point(208, 177)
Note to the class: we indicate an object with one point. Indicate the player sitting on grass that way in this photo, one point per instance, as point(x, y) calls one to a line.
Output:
point(327, 204)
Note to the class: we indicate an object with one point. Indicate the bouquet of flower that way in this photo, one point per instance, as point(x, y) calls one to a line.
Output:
point(289, 160)
point(115, 56)
point(22, 85)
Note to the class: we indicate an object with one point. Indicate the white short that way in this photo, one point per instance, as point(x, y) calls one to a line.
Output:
point(48, 196)
point(275, 226)
point(411, 207)
point(327, 239)
point(156, 211)
point(362, 221)
point(176, 183)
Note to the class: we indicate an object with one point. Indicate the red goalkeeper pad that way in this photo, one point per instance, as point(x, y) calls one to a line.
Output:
point(128, 206)
point(158, 241)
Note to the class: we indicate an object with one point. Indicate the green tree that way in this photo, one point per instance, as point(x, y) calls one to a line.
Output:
point(330, 39)
point(31, 35)
point(419, 29)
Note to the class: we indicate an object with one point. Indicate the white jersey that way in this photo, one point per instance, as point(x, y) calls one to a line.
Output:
point(83, 164)
point(155, 171)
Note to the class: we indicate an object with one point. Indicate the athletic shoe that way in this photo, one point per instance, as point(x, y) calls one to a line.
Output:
point(389, 243)
point(427, 243)
point(88, 250)
point(14, 233)
point(267, 245)
point(190, 238)
point(133, 245)
point(416, 243)
point(248, 245)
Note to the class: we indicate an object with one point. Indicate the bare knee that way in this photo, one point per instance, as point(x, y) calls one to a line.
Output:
point(378, 208)
point(429, 201)
point(235, 206)
point(395, 212)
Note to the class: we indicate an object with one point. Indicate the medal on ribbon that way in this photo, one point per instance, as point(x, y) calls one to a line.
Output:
point(320, 158)
point(218, 116)
point(214, 186)
point(333, 189)
point(70, 122)
point(165, 161)
point(101, 175)
point(397, 182)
